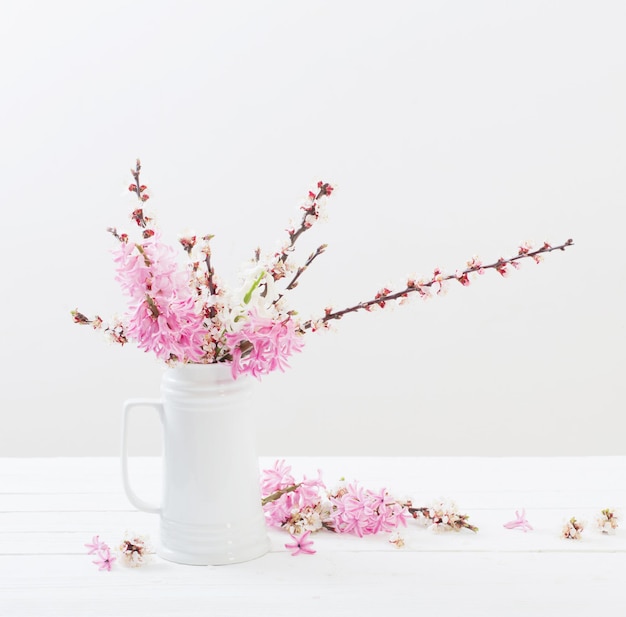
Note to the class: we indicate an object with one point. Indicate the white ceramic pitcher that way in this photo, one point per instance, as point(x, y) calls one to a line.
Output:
point(211, 511)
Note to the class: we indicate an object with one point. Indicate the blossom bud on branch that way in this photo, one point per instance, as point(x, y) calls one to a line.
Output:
point(437, 281)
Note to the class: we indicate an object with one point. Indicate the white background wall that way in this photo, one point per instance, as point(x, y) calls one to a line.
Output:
point(450, 128)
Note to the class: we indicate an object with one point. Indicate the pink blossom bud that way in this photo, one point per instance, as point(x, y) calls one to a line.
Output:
point(463, 278)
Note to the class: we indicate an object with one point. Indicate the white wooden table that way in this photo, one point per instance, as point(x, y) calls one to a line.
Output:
point(49, 508)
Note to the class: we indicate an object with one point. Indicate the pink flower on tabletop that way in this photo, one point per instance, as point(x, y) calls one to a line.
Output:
point(443, 515)
point(608, 521)
point(96, 545)
point(363, 512)
point(135, 550)
point(278, 512)
point(572, 529)
point(300, 502)
point(388, 514)
point(396, 539)
point(300, 545)
point(105, 559)
point(350, 512)
point(263, 345)
point(310, 518)
point(309, 489)
point(520, 522)
point(276, 478)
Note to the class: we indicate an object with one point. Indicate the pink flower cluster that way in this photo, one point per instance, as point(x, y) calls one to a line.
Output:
point(102, 551)
point(302, 508)
point(263, 345)
point(363, 512)
point(291, 497)
point(308, 506)
point(162, 314)
point(134, 550)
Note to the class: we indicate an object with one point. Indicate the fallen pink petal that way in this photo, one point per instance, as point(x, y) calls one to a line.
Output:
point(95, 546)
point(520, 522)
point(105, 560)
point(301, 544)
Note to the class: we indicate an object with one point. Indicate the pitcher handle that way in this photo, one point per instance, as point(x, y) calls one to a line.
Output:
point(156, 404)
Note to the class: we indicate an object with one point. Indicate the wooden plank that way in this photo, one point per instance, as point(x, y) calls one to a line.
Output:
point(466, 500)
point(50, 507)
point(76, 475)
point(337, 583)
point(66, 533)
point(429, 475)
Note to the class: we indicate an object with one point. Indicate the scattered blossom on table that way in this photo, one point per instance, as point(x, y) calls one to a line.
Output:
point(573, 529)
point(519, 522)
point(608, 521)
point(308, 506)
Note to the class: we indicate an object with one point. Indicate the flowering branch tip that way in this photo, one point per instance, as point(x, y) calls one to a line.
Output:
point(184, 313)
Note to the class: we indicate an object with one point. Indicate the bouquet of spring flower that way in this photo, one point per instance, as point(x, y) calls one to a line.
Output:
point(185, 313)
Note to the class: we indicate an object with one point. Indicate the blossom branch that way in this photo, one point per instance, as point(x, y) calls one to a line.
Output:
point(441, 517)
point(437, 280)
point(187, 315)
point(121, 237)
point(324, 190)
point(210, 274)
point(116, 332)
point(80, 318)
point(310, 215)
point(139, 189)
point(309, 261)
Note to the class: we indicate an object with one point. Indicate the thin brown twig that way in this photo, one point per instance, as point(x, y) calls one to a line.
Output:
point(294, 281)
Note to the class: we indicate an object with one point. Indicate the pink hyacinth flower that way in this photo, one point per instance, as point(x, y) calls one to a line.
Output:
point(276, 478)
point(520, 522)
point(301, 545)
point(280, 510)
point(272, 343)
point(95, 546)
point(105, 560)
point(363, 512)
point(163, 317)
point(177, 330)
